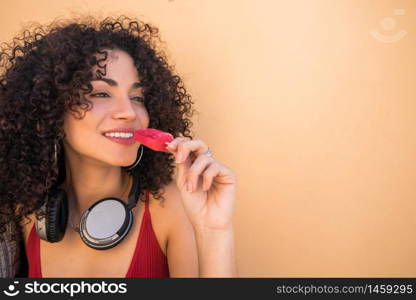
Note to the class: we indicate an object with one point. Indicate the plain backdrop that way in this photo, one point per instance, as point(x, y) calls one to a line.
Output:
point(312, 104)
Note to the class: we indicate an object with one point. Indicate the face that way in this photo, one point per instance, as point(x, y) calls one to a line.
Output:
point(117, 103)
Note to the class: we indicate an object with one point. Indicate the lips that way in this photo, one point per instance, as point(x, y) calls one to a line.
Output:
point(123, 129)
point(125, 141)
point(120, 140)
point(152, 138)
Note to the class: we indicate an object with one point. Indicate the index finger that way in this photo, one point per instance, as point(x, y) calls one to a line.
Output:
point(172, 145)
point(184, 148)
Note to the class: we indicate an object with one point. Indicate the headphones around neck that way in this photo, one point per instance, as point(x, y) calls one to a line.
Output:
point(102, 226)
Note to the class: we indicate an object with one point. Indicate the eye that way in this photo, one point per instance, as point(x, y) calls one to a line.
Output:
point(99, 95)
point(140, 99)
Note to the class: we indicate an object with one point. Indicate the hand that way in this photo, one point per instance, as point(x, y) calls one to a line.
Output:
point(209, 201)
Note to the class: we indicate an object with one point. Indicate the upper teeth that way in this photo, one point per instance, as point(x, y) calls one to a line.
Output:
point(119, 134)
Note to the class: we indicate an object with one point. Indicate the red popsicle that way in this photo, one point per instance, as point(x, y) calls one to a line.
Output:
point(154, 139)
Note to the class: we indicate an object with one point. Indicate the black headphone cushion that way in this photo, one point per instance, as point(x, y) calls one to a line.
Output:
point(57, 215)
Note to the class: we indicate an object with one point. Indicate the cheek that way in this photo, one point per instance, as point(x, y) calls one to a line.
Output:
point(74, 135)
point(143, 117)
point(78, 131)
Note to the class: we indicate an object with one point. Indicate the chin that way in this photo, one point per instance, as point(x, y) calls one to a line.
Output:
point(127, 163)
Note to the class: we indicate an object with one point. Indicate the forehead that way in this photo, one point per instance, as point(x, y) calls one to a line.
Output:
point(116, 62)
point(113, 55)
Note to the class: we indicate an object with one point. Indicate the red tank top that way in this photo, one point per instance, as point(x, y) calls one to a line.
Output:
point(148, 259)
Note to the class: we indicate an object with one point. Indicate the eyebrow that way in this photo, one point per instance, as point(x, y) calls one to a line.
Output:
point(112, 82)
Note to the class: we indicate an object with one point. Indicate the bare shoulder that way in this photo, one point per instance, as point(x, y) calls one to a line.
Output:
point(177, 231)
point(172, 197)
point(169, 210)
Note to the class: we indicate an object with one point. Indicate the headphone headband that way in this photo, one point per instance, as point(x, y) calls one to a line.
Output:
point(134, 193)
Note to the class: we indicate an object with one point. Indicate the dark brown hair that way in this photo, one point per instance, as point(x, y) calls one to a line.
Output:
point(42, 73)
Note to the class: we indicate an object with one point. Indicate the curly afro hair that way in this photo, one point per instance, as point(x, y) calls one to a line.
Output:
point(44, 73)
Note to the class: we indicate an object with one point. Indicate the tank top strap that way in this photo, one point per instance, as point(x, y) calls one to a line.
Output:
point(146, 203)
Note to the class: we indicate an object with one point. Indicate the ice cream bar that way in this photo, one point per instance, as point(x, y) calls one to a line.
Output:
point(154, 139)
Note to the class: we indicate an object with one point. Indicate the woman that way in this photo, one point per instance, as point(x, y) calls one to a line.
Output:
point(71, 94)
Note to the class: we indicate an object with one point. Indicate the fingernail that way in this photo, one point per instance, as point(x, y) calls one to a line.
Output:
point(179, 158)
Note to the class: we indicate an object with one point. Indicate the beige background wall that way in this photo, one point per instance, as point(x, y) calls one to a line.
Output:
point(315, 114)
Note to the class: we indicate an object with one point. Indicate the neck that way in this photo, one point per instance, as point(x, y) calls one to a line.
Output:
point(86, 183)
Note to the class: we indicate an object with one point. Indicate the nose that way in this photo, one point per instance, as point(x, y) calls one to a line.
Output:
point(124, 109)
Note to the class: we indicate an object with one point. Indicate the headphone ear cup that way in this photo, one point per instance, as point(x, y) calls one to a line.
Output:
point(106, 223)
point(57, 215)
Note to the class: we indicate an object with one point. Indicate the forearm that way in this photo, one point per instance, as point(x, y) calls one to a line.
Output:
point(216, 253)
